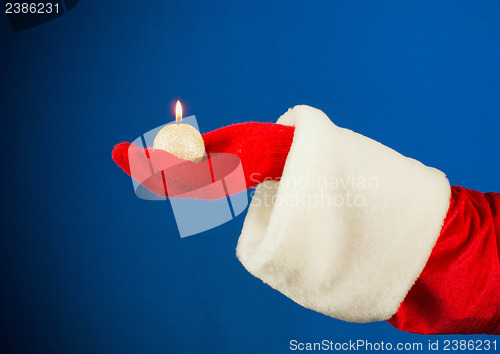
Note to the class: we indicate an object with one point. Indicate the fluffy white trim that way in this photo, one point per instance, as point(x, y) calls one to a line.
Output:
point(350, 226)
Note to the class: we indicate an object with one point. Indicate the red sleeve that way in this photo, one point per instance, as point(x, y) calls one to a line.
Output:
point(459, 289)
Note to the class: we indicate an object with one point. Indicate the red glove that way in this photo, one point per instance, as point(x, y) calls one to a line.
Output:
point(261, 147)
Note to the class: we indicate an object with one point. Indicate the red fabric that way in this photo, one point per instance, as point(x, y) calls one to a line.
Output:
point(261, 147)
point(459, 289)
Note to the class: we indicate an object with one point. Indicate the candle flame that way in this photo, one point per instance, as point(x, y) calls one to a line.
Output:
point(178, 112)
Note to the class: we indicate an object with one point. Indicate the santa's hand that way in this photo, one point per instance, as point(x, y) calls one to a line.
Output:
point(407, 248)
point(262, 149)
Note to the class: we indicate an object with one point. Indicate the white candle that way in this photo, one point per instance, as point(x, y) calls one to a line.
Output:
point(181, 140)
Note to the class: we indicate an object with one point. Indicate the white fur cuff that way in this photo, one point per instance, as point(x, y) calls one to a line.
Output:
point(350, 226)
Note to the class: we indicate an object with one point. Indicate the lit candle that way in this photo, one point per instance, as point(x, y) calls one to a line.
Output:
point(181, 140)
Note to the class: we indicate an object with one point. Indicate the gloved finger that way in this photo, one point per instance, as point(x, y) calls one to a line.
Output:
point(166, 175)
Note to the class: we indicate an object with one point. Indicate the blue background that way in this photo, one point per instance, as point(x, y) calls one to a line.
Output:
point(86, 266)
